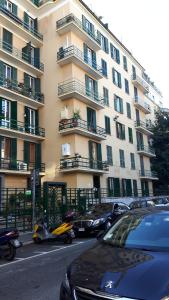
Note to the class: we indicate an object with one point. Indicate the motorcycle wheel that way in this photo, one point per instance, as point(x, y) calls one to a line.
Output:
point(68, 239)
point(11, 253)
point(37, 240)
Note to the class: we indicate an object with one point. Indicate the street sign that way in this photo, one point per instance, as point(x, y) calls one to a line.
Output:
point(28, 193)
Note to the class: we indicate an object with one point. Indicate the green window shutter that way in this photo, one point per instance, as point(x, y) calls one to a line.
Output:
point(119, 81)
point(36, 24)
point(83, 21)
point(7, 40)
point(2, 3)
point(107, 125)
point(106, 96)
point(26, 152)
point(26, 81)
point(13, 150)
point(113, 74)
point(106, 45)
point(96, 96)
point(26, 53)
point(37, 122)
point(85, 53)
point(121, 105)
point(37, 85)
point(88, 93)
point(99, 156)
point(14, 76)
point(135, 189)
point(118, 56)
point(128, 187)
point(1, 72)
point(14, 9)
point(130, 132)
point(115, 102)
point(27, 119)
point(14, 114)
point(116, 183)
point(123, 132)
point(37, 57)
point(90, 143)
point(99, 36)
point(26, 20)
point(94, 60)
point(110, 187)
point(109, 155)
point(38, 159)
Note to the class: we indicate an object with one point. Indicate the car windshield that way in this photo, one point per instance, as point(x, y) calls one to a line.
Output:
point(148, 231)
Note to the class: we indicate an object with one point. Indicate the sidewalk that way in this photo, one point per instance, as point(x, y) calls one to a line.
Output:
point(26, 238)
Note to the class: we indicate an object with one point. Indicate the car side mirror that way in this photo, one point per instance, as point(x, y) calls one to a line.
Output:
point(100, 235)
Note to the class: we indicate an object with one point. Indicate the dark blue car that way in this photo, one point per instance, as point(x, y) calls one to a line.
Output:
point(130, 261)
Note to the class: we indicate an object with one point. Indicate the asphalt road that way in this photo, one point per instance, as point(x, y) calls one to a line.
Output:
point(38, 270)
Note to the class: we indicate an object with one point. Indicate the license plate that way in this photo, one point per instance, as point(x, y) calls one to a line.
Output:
point(17, 243)
point(81, 229)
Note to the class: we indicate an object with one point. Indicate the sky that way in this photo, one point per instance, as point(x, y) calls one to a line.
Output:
point(143, 27)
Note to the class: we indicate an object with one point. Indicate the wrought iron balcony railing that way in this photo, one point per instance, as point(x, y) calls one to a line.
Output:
point(20, 22)
point(35, 62)
point(142, 103)
point(22, 127)
point(21, 88)
point(77, 86)
point(148, 173)
point(72, 18)
point(145, 125)
point(84, 163)
point(78, 123)
point(18, 165)
point(145, 149)
point(74, 51)
point(140, 81)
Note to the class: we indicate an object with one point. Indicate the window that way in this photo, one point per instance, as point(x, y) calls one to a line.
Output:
point(135, 93)
point(115, 53)
point(126, 86)
point(91, 119)
point(7, 40)
point(116, 78)
point(8, 5)
point(30, 120)
point(120, 131)
point(118, 104)
point(5, 148)
point(104, 67)
point(132, 160)
point(109, 155)
point(107, 125)
point(128, 108)
point(106, 96)
point(104, 43)
point(135, 190)
point(125, 63)
point(88, 26)
point(31, 23)
point(5, 113)
point(130, 132)
point(91, 87)
point(134, 72)
point(122, 158)
point(8, 72)
point(90, 56)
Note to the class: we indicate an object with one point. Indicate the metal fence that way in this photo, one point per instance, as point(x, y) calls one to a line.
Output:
point(16, 209)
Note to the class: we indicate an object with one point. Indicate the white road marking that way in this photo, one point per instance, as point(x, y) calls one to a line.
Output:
point(42, 254)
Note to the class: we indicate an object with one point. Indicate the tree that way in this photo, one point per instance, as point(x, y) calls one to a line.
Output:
point(160, 163)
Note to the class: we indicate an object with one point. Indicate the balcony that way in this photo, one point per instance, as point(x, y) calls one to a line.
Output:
point(12, 54)
point(140, 83)
point(19, 167)
point(21, 130)
point(148, 175)
point(83, 165)
point(73, 55)
point(72, 23)
point(143, 127)
point(14, 23)
point(76, 89)
point(17, 90)
point(78, 126)
point(142, 105)
point(146, 151)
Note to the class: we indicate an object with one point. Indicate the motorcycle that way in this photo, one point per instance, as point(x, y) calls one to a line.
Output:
point(64, 233)
point(9, 243)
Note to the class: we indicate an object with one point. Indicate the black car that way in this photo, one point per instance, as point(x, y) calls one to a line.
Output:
point(130, 261)
point(99, 217)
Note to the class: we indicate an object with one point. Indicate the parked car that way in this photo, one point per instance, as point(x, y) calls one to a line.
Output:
point(130, 261)
point(97, 218)
point(162, 201)
point(141, 203)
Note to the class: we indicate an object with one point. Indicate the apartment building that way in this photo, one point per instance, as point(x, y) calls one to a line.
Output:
point(74, 102)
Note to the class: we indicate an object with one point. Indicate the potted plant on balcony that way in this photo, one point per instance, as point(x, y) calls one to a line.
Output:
point(76, 117)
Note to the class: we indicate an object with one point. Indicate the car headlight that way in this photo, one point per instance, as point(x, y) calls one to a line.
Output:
point(98, 221)
point(66, 282)
point(165, 298)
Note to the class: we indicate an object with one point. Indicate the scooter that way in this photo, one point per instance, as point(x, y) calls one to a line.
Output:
point(9, 243)
point(64, 233)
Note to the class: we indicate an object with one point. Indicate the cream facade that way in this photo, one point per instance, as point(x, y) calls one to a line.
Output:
point(98, 102)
